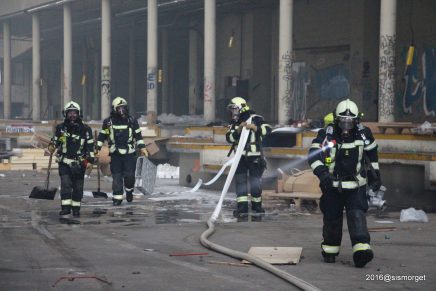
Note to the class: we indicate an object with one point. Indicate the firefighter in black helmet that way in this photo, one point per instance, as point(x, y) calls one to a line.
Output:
point(124, 136)
point(343, 180)
point(75, 148)
point(252, 163)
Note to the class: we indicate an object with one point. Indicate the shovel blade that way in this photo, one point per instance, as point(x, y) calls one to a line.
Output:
point(98, 194)
point(39, 192)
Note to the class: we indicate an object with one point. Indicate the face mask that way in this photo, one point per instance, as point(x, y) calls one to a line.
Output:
point(121, 110)
point(72, 116)
point(234, 112)
point(346, 124)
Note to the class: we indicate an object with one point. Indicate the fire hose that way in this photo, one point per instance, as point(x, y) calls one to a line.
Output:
point(211, 223)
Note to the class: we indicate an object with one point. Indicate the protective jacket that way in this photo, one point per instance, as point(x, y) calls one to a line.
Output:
point(345, 158)
point(123, 135)
point(74, 143)
point(254, 143)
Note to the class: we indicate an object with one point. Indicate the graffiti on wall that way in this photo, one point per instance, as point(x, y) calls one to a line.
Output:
point(287, 76)
point(333, 82)
point(387, 75)
point(208, 91)
point(420, 81)
point(301, 81)
point(106, 82)
point(151, 78)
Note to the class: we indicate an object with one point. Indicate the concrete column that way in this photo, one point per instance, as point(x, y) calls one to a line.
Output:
point(36, 69)
point(105, 58)
point(165, 73)
point(193, 71)
point(6, 69)
point(209, 59)
point(152, 58)
point(68, 54)
point(386, 95)
point(285, 61)
point(131, 98)
point(84, 82)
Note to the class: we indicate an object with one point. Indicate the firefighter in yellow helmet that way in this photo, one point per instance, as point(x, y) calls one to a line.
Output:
point(123, 135)
point(343, 181)
point(75, 149)
point(252, 163)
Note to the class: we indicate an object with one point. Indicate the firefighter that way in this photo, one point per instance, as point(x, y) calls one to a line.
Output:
point(252, 161)
point(338, 157)
point(75, 149)
point(124, 136)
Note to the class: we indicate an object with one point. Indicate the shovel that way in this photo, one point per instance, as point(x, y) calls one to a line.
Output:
point(98, 193)
point(47, 193)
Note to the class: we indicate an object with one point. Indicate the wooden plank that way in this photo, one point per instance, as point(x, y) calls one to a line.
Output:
point(286, 195)
point(277, 255)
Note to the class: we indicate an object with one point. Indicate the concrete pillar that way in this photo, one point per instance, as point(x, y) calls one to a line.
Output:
point(193, 71)
point(36, 68)
point(285, 61)
point(6, 69)
point(68, 54)
point(386, 95)
point(152, 58)
point(166, 108)
point(209, 59)
point(84, 82)
point(105, 58)
point(131, 99)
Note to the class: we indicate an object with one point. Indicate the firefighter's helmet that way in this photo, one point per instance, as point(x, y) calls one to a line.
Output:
point(118, 101)
point(71, 106)
point(347, 115)
point(236, 106)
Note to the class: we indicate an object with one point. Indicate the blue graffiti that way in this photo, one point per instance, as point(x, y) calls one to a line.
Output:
point(420, 83)
point(333, 82)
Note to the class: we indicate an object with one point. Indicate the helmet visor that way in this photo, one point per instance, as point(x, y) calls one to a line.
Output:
point(72, 115)
point(121, 110)
point(234, 111)
point(346, 122)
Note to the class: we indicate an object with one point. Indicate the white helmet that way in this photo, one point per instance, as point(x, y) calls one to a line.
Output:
point(347, 108)
point(71, 106)
point(347, 115)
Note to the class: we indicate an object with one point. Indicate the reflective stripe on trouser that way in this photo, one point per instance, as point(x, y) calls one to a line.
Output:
point(117, 197)
point(75, 203)
point(65, 202)
point(361, 247)
point(330, 249)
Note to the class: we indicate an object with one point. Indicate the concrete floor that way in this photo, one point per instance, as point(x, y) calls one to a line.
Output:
point(129, 247)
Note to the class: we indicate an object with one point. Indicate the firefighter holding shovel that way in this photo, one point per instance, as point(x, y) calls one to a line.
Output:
point(75, 150)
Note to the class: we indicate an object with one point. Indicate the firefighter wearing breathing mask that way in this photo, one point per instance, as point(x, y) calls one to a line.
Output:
point(75, 149)
point(124, 136)
point(343, 181)
point(252, 163)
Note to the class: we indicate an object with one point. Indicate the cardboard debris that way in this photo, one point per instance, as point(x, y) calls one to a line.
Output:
point(277, 255)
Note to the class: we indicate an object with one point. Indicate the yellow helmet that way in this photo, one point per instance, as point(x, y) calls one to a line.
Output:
point(118, 101)
point(329, 118)
point(71, 106)
point(240, 103)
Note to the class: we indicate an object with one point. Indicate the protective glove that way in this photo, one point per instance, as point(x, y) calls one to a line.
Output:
point(240, 126)
point(143, 152)
point(51, 148)
point(251, 126)
point(374, 181)
point(325, 180)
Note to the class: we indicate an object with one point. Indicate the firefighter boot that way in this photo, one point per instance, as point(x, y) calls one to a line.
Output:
point(361, 258)
point(329, 258)
point(257, 210)
point(76, 211)
point(116, 202)
point(66, 209)
point(129, 196)
point(241, 213)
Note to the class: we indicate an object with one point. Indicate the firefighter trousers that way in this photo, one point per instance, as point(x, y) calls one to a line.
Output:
point(332, 204)
point(123, 173)
point(71, 185)
point(249, 168)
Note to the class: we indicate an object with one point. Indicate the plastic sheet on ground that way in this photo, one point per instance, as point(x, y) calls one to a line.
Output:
point(413, 215)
